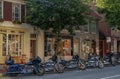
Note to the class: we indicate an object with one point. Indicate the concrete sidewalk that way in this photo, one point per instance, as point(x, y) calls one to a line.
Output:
point(2, 70)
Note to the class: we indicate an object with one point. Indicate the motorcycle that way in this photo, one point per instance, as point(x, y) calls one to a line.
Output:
point(53, 65)
point(117, 56)
point(13, 68)
point(94, 61)
point(75, 62)
point(34, 66)
point(110, 58)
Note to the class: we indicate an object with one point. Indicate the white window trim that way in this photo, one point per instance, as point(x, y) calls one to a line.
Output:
point(20, 12)
point(12, 11)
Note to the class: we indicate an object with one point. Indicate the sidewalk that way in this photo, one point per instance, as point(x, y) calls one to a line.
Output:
point(2, 70)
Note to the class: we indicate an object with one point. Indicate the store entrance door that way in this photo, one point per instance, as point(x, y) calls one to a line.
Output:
point(32, 48)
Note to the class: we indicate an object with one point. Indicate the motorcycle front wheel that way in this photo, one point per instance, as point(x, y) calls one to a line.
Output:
point(113, 61)
point(81, 65)
point(40, 71)
point(100, 64)
point(59, 68)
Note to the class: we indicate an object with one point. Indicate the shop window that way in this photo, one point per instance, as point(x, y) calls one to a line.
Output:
point(11, 44)
point(76, 45)
point(86, 47)
point(66, 47)
point(50, 47)
point(16, 12)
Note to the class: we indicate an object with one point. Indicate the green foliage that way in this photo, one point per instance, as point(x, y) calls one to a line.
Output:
point(56, 14)
point(111, 8)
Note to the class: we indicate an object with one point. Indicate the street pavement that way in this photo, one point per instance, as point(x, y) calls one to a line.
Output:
point(91, 73)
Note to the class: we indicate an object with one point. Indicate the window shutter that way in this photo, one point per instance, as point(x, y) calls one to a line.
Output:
point(7, 11)
point(23, 13)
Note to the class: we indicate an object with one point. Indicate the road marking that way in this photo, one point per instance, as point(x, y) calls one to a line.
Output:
point(111, 77)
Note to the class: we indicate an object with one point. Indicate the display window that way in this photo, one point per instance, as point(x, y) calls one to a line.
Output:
point(66, 46)
point(50, 47)
point(11, 44)
point(76, 46)
point(86, 46)
point(62, 48)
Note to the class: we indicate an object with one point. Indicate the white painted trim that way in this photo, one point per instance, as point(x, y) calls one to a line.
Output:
point(20, 2)
point(20, 12)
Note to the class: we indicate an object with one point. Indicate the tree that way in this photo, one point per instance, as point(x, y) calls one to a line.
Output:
point(56, 14)
point(111, 9)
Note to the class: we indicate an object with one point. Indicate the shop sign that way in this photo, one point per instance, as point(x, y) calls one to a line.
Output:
point(108, 39)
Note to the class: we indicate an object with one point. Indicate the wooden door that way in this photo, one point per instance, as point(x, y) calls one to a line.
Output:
point(32, 48)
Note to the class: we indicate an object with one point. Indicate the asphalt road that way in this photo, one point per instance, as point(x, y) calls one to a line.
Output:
point(92, 73)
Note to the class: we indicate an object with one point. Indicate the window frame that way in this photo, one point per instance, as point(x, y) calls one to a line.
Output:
point(18, 46)
point(13, 12)
point(93, 22)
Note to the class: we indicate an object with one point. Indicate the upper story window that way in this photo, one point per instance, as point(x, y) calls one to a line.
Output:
point(16, 12)
point(93, 26)
point(0, 9)
point(86, 28)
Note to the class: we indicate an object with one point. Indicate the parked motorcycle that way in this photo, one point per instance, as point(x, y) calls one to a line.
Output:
point(13, 68)
point(53, 65)
point(110, 58)
point(94, 61)
point(34, 66)
point(117, 56)
point(75, 62)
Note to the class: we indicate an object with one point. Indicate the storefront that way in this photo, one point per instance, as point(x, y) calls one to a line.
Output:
point(11, 43)
point(64, 46)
